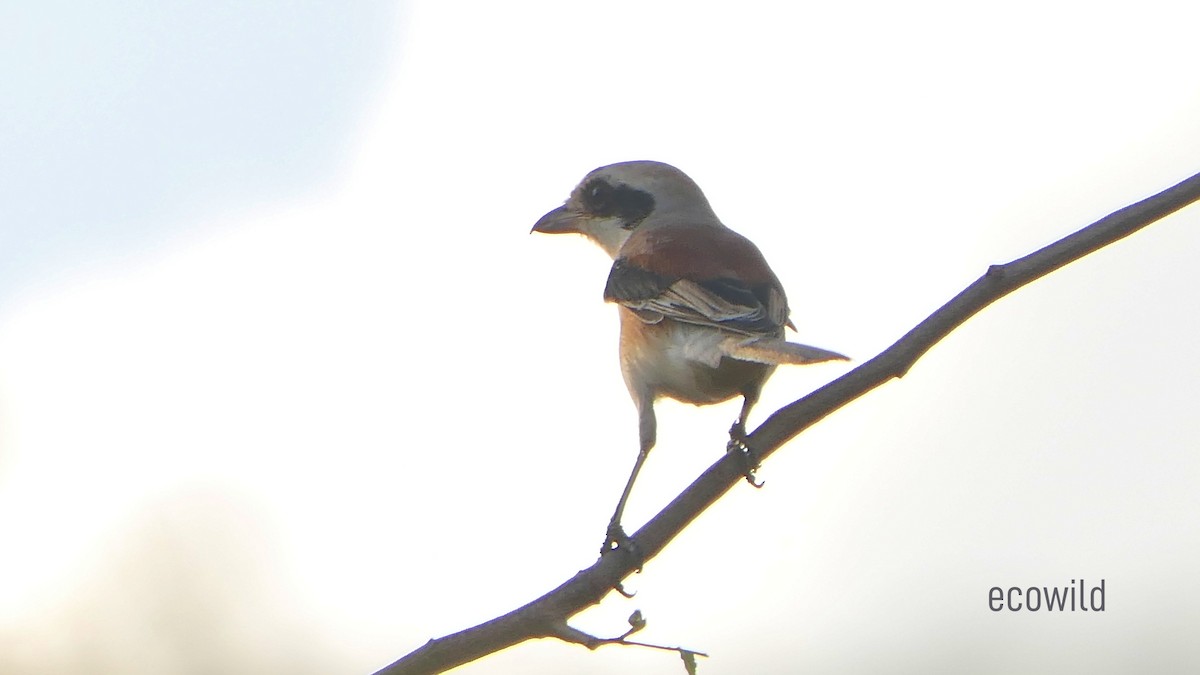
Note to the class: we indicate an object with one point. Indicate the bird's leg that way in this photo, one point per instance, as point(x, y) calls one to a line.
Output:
point(737, 444)
point(615, 537)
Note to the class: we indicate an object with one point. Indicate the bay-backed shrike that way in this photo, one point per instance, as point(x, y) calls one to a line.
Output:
point(702, 314)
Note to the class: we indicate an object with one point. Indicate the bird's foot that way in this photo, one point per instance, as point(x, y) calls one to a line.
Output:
point(746, 456)
point(616, 540)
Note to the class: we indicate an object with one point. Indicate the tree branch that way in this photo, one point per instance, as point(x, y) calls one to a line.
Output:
point(547, 615)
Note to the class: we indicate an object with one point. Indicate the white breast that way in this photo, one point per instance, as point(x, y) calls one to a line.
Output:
point(680, 361)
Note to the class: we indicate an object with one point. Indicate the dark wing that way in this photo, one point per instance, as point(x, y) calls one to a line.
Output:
point(726, 303)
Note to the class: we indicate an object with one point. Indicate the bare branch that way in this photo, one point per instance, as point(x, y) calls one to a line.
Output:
point(547, 615)
point(568, 633)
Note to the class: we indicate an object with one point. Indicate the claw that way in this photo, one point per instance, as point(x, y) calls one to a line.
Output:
point(747, 457)
point(616, 540)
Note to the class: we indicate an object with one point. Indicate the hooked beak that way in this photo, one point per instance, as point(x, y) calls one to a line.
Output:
point(558, 221)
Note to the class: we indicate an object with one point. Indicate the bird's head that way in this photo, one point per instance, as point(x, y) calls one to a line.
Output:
point(611, 202)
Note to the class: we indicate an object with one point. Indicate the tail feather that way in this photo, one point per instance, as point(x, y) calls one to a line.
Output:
point(775, 351)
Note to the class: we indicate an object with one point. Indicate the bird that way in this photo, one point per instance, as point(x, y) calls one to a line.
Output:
point(702, 314)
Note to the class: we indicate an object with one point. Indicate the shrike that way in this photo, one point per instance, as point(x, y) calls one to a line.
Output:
point(702, 314)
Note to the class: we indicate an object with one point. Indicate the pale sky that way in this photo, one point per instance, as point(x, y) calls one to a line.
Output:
point(286, 385)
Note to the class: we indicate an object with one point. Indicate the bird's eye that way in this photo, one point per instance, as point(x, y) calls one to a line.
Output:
point(603, 199)
point(597, 196)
